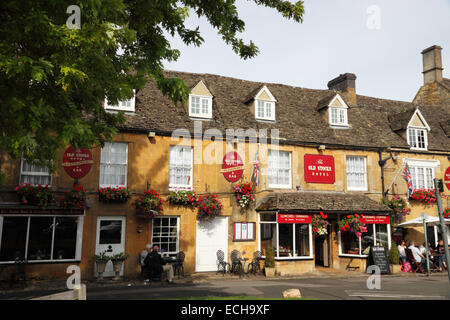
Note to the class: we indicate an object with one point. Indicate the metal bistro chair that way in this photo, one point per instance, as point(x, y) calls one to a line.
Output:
point(178, 265)
point(416, 266)
point(254, 266)
point(221, 264)
point(236, 264)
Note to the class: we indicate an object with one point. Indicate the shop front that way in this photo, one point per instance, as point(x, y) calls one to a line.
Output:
point(286, 224)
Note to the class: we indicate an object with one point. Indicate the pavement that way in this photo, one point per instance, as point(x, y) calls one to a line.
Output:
point(322, 284)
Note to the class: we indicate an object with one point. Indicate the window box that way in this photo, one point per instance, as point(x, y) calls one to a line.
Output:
point(114, 195)
point(34, 195)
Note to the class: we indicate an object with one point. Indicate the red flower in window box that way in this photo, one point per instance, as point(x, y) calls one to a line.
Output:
point(424, 195)
point(117, 194)
point(149, 205)
point(184, 197)
point(34, 195)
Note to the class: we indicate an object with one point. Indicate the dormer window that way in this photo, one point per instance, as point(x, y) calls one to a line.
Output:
point(264, 105)
point(200, 106)
point(337, 111)
point(126, 105)
point(200, 101)
point(417, 132)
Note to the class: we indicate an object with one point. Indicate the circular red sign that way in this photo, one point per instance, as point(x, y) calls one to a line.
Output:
point(447, 178)
point(77, 162)
point(232, 166)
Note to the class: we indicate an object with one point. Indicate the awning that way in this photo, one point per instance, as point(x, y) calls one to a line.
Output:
point(321, 201)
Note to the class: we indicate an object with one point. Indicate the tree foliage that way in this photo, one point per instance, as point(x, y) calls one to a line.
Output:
point(53, 80)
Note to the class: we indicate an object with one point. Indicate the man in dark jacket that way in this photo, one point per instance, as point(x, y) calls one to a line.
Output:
point(155, 264)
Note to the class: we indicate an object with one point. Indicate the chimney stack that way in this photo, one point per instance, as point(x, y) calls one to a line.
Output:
point(345, 84)
point(432, 64)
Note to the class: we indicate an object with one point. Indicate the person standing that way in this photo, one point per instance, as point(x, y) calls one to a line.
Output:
point(401, 251)
point(441, 251)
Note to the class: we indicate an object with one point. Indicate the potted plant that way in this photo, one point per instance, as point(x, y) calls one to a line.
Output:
point(208, 207)
point(149, 205)
point(101, 260)
point(269, 263)
point(245, 194)
point(74, 199)
point(183, 197)
point(115, 195)
point(34, 195)
point(319, 224)
point(394, 258)
point(118, 260)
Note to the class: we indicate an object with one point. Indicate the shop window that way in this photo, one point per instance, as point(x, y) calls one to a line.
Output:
point(243, 231)
point(37, 239)
point(113, 164)
point(280, 169)
point(180, 167)
point(165, 234)
point(294, 239)
point(356, 173)
point(34, 174)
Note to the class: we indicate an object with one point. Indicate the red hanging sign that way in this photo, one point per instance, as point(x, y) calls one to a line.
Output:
point(375, 219)
point(232, 166)
point(77, 162)
point(319, 169)
point(294, 218)
point(447, 178)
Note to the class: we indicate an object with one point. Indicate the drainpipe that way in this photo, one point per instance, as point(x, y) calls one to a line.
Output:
point(381, 163)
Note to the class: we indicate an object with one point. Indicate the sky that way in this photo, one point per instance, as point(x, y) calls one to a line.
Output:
point(379, 41)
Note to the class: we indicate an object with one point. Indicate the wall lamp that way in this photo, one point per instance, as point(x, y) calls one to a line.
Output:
point(321, 147)
point(151, 134)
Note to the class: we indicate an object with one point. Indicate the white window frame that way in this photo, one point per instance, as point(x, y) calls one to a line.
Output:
point(126, 166)
point(79, 239)
point(360, 255)
point(181, 186)
point(267, 105)
point(280, 186)
point(119, 107)
point(178, 234)
point(201, 114)
point(338, 123)
point(32, 173)
point(416, 131)
point(277, 255)
point(352, 188)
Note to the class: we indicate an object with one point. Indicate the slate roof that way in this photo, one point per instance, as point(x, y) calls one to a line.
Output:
point(321, 201)
point(297, 117)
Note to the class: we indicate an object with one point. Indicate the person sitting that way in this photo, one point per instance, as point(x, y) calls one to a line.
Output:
point(156, 264)
point(401, 251)
point(441, 251)
point(418, 256)
point(144, 253)
point(422, 249)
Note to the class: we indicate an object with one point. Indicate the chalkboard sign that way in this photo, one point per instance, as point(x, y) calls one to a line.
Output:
point(378, 256)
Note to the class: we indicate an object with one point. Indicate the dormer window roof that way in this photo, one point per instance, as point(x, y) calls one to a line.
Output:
point(125, 105)
point(264, 104)
point(417, 132)
point(337, 112)
point(200, 101)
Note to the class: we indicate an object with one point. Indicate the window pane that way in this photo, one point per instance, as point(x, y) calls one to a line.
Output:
point(367, 238)
point(286, 239)
point(65, 238)
point(302, 240)
point(382, 235)
point(14, 235)
point(205, 106)
point(268, 217)
point(268, 234)
point(349, 243)
point(110, 232)
point(40, 238)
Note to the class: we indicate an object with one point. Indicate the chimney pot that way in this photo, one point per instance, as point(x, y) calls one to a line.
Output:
point(432, 64)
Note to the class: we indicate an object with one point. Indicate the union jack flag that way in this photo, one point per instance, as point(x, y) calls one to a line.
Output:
point(256, 169)
point(407, 176)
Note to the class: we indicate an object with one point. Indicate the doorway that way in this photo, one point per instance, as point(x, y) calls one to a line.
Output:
point(322, 249)
point(110, 238)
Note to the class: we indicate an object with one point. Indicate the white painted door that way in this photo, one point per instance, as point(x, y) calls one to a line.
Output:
point(110, 238)
point(211, 236)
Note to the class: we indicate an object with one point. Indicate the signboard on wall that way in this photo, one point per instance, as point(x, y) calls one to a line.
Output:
point(77, 162)
point(375, 219)
point(319, 169)
point(232, 166)
point(294, 218)
point(447, 178)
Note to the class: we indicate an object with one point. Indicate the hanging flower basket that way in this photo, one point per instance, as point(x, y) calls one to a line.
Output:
point(424, 195)
point(399, 208)
point(245, 194)
point(208, 207)
point(320, 224)
point(353, 224)
point(447, 213)
point(114, 195)
point(74, 199)
point(149, 205)
point(34, 195)
point(183, 197)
